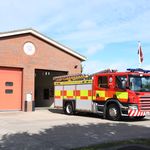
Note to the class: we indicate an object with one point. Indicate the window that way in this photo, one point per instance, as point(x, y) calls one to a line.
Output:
point(46, 94)
point(9, 91)
point(139, 83)
point(120, 80)
point(103, 82)
point(8, 83)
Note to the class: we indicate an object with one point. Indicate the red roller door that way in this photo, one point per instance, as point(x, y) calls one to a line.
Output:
point(10, 89)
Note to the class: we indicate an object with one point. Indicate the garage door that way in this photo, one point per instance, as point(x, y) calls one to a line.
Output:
point(10, 89)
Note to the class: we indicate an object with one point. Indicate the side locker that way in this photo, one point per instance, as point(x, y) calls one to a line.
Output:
point(58, 102)
point(84, 97)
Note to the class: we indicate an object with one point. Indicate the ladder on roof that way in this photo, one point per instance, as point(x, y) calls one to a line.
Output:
point(71, 77)
point(80, 76)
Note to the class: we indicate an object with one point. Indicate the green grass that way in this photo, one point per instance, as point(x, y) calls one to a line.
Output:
point(145, 142)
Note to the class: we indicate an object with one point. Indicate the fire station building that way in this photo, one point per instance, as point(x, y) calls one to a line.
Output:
point(28, 63)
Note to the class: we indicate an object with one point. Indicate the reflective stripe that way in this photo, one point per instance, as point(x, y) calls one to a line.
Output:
point(87, 94)
point(122, 95)
point(83, 92)
point(104, 95)
point(134, 113)
point(69, 93)
point(84, 97)
point(57, 93)
point(100, 94)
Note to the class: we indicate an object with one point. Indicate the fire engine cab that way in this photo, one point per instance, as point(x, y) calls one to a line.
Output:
point(109, 93)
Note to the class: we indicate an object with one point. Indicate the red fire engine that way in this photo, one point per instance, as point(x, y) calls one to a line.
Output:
point(110, 93)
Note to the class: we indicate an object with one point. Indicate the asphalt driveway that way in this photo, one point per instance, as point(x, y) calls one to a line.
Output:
point(52, 130)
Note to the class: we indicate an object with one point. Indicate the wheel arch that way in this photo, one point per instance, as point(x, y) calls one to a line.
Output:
point(72, 102)
point(111, 101)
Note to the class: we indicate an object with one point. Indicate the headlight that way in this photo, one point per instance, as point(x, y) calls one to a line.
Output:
point(135, 107)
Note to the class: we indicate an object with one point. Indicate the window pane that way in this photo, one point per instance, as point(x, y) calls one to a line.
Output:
point(139, 84)
point(9, 91)
point(103, 82)
point(9, 83)
point(120, 80)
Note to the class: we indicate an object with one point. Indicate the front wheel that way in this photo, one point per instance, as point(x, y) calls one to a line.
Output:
point(113, 112)
point(69, 109)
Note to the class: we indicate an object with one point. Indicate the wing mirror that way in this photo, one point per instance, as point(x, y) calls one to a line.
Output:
point(124, 84)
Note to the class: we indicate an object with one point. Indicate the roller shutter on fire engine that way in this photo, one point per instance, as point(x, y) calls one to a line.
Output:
point(10, 89)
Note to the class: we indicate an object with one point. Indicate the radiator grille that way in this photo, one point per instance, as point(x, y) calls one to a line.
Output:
point(145, 102)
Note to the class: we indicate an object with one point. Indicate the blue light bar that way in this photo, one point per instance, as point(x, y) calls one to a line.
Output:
point(138, 70)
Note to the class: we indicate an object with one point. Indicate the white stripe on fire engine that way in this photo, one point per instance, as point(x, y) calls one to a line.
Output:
point(134, 113)
point(131, 112)
point(139, 113)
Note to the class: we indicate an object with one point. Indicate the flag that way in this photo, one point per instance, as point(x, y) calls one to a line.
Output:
point(140, 53)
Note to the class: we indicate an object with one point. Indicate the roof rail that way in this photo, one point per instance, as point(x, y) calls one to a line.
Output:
point(138, 70)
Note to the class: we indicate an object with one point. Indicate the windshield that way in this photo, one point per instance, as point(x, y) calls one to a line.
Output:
point(139, 83)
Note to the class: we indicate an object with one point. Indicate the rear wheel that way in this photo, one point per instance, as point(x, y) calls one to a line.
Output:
point(113, 112)
point(69, 109)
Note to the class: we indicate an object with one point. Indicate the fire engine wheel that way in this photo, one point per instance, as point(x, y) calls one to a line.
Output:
point(69, 109)
point(113, 112)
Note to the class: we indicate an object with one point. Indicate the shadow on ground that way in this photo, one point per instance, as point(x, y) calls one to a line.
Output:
point(57, 111)
point(85, 114)
point(72, 136)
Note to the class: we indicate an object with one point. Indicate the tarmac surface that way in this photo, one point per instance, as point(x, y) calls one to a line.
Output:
point(53, 130)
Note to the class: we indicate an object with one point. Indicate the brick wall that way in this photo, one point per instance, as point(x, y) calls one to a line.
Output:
point(47, 57)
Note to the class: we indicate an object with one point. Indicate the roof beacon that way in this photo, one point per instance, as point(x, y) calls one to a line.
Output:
point(138, 70)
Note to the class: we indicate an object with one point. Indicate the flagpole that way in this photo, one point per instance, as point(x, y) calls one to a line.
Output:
point(140, 65)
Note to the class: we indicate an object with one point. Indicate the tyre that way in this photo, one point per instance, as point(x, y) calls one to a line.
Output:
point(69, 109)
point(113, 112)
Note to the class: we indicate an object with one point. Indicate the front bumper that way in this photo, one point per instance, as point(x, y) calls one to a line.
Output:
point(135, 113)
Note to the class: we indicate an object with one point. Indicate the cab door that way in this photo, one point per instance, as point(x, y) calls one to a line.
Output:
point(100, 87)
point(104, 87)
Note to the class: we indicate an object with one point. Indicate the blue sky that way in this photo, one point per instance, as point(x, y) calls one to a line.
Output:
point(105, 31)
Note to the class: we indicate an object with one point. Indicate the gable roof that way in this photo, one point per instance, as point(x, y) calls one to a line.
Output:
point(43, 37)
